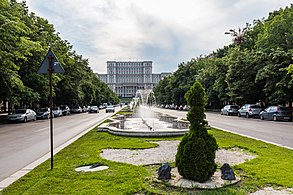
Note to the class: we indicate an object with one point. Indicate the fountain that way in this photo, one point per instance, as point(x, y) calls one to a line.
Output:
point(145, 122)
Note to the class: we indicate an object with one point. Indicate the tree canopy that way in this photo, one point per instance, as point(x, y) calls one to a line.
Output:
point(257, 70)
point(24, 41)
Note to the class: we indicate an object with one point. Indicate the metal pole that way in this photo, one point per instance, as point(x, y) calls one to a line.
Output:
point(50, 58)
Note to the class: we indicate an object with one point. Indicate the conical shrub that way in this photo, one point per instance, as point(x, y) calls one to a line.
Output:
point(195, 158)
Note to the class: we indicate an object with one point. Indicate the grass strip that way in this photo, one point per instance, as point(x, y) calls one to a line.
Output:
point(272, 167)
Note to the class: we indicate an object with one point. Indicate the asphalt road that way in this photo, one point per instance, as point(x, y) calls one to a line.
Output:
point(276, 132)
point(23, 143)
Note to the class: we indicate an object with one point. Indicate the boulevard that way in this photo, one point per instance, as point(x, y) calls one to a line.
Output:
point(24, 143)
point(278, 133)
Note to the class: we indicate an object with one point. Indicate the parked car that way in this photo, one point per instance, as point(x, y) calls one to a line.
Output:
point(94, 109)
point(22, 115)
point(230, 110)
point(167, 106)
point(276, 113)
point(65, 110)
point(76, 109)
point(186, 108)
point(110, 108)
point(85, 109)
point(249, 110)
point(43, 113)
point(57, 111)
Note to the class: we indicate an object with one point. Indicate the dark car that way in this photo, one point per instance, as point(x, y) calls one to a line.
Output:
point(65, 110)
point(93, 109)
point(76, 109)
point(230, 110)
point(276, 113)
point(43, 113)
point(250, 110)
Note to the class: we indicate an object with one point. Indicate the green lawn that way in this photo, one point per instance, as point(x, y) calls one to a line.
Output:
point(272, 167)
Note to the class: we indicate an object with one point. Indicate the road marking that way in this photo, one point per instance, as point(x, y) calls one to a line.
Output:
point(252, 137)
point(39, 130)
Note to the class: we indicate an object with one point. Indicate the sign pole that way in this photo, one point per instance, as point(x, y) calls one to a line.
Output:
point(49, 66)
point(50, 58)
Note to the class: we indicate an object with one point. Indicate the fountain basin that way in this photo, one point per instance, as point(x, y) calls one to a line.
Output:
point(143, 133)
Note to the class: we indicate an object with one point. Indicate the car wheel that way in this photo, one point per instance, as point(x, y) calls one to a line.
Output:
point(275, 118)
point(261, 117)
point(25, 120)
point(247, 115)
point(221, 113)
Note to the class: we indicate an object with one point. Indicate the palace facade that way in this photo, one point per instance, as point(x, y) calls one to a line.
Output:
point(126, 77)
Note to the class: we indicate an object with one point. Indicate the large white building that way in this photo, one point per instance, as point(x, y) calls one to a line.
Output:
point(126, 77)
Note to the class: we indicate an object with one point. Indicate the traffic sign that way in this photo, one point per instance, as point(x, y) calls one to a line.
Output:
point(45, 66)
point(51, 65)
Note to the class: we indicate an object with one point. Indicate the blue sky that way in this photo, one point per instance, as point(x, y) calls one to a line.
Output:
point(163, 31)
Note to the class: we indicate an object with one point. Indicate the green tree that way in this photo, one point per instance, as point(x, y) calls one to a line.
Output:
point(195, 158)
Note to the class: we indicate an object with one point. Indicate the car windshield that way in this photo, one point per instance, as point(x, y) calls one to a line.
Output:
point(43, 110)
point(23, 111)
point(110, 107)
point(234, 107)
point(94, 107)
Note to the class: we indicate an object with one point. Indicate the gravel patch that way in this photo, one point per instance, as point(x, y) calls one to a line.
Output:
point(233, 156)
point(272, 191)
point(166, 152)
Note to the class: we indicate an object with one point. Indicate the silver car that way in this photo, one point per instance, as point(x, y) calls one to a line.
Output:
point(57, 111)
point(230, 110)
point(22, 115)
point(110, 109)
point(249, 110)
point(276, 113)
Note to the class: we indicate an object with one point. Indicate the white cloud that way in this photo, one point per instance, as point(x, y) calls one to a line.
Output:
point(166, 32)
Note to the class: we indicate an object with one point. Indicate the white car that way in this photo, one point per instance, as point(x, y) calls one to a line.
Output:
point(22, 115)
point(110, 109)
point(57, 111)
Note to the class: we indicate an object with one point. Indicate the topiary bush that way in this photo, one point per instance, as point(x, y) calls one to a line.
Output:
point(195, 158)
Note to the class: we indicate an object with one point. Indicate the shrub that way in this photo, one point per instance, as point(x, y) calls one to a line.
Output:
point(195, 158)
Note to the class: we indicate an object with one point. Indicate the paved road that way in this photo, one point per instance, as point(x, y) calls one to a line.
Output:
point(279, 133)
point(23, 143)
